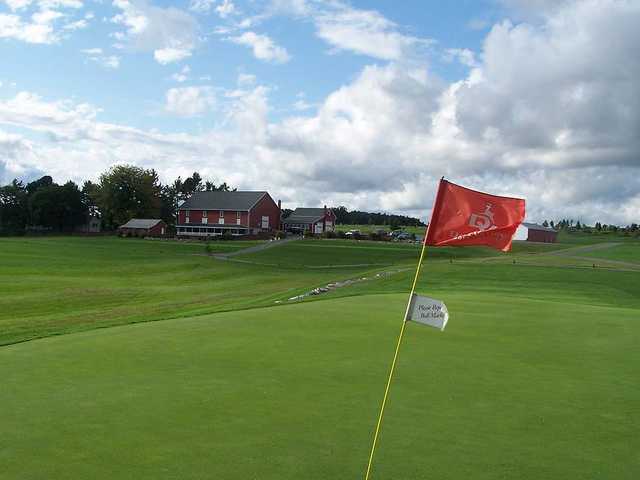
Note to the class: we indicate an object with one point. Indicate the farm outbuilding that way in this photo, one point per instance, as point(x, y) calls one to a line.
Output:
point(533, 232)
point(313, 220)
point(144, 227)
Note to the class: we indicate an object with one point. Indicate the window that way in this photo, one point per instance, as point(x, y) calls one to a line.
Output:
point(221, 220)
point(186, 217)
point(238, 218)
point(265, 222)
point(204, 214)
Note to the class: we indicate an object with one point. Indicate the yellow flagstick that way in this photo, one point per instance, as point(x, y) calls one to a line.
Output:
point(393, 363)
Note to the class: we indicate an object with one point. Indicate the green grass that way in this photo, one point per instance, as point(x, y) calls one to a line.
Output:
point(579, 237)
point(58, 285)
point(514, 388)
point(534, 377)
point(627, 252)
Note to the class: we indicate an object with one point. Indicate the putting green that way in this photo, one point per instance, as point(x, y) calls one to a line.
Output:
point(514, 388)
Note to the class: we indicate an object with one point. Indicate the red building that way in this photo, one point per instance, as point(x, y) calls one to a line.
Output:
point(313, 220)
point(532, 232)
point(237, 213)
point(144, 227)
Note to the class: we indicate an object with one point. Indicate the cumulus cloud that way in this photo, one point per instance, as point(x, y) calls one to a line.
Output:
point(189, 101)
point(263, 47)
point(47, 25)
point(549, 111)
point(36, 30)
point(169, 33)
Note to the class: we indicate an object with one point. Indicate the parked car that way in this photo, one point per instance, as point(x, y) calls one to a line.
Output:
point(353, 234)
point(403, 236)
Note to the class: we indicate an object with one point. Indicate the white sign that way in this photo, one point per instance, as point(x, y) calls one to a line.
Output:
point(429, 311)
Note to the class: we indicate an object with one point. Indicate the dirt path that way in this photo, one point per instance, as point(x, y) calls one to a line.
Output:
point(257, 248)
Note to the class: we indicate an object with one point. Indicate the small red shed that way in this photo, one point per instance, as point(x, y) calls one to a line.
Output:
point(144, 227)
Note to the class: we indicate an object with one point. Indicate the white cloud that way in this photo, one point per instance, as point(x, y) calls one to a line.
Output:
point(463, 55)
point(263, 47)
point(12, 26)
point(50, 4)
point(110, 62)
point(164, 56)
point(169, 33)
point(201, 6)
point(43, 26)
point(18, 4)
point(246, 79)
point(77, 25)
point(345, 28)
point(365, 32)
point(182, 75)
point(226, 8)
point(189, 101)
point(46, 16)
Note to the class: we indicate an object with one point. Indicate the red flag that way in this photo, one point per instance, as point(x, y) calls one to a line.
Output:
point(464, 217)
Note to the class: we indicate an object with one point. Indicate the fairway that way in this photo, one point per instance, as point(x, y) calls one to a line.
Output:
point(534, 377)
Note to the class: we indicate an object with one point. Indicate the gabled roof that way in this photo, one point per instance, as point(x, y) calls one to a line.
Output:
point(141, 223)
point(222, 200)
point(535, 226)
point(305, 215)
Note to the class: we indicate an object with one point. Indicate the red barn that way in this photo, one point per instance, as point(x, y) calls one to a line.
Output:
point(144, 227)
point(237, 213)
point(313, 220)
point(532, 232)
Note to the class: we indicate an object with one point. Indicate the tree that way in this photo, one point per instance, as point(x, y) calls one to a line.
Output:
point(126, 192)
point(13, 208)
point(58, 207)
point(91, 194)
point(191, 185)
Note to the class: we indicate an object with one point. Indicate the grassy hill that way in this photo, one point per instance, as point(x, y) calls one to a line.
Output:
point(535, 376)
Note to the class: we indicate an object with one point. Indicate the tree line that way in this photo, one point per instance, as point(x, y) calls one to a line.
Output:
point(121, 193)
point(357, 217)
point(575, 225)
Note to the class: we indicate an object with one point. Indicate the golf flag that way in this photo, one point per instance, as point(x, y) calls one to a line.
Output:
point(464, 217)
point(428, 311)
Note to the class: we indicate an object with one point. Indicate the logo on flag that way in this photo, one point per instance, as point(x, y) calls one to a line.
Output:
point(482, 221)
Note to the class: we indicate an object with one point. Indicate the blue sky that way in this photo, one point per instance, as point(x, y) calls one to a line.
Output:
point(134, 91)
point(333, 101)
